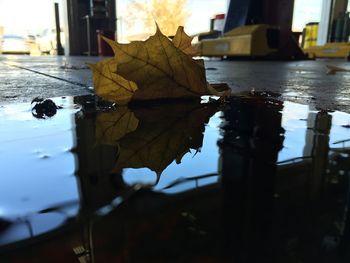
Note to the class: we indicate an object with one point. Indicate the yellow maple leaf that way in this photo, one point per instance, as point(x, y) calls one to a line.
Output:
point(109, 85)
point(182, 41)
point(156, 68)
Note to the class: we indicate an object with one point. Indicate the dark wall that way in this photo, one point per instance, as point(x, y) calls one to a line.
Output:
point(237, 14)
point(80, 19)
point(247, 12)
point(277, 13)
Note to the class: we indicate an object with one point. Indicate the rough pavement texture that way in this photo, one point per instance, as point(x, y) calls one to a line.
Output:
point(301, 81)
point(19, 84)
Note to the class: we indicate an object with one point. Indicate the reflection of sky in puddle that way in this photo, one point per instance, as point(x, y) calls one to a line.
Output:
point(38, 167)
point(295, 120)
point(297, 143)
point(36, 153)
point(192, 165)
point(36, 163)
point(39, 224)
point(339, 133)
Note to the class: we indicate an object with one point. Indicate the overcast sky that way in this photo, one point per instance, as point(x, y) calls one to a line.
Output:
point(306, 11)
point(26, 16)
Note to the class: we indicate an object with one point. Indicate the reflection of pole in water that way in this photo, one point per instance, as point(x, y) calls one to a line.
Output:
point(250, 145)
point(317, 146)
point(94, 164)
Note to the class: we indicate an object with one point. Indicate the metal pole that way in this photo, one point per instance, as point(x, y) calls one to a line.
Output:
point(116, 21)
point(59, 47)
point(88, 34)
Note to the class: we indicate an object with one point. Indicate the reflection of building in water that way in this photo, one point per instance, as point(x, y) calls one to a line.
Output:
point(317, 147)
point(261, 210)
point(252, 140)
point(281, 209)
point(266, 206)
point(95, 162)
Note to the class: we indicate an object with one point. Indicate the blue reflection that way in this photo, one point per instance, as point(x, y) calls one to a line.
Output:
point(37, 169)
point(192, 164)
point(39, 159)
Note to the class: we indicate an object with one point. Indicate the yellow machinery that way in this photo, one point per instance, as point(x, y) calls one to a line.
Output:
point(310, 35)
point(247, 41)
point(329, 50)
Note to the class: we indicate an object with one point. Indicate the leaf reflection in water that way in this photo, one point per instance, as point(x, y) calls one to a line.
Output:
point(153, 137)
point(112, 126)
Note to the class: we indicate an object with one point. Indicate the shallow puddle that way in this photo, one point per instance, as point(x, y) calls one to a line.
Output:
point(255, 180)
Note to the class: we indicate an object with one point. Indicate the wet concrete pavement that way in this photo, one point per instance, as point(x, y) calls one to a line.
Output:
point(254, 180)
point(20, 85)
point(24, 78)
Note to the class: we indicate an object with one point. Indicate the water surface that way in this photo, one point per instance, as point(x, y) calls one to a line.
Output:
point(254, 179)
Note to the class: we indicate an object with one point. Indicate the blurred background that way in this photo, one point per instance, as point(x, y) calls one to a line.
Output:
point(30, 27)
